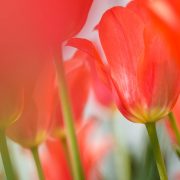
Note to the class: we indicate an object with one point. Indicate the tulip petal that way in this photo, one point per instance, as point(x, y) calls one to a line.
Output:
point(120, 32)
point(100, 71)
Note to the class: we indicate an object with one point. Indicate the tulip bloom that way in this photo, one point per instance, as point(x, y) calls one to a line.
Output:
point(28, 25)
point(79, 83)
point(135, 101)
point(144, 75)
point(38, 81)
point(142, 69)
point(54, 160)
point(31, 25)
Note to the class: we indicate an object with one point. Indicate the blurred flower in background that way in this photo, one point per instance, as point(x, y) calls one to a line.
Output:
point(79, 83)
point(56, 165)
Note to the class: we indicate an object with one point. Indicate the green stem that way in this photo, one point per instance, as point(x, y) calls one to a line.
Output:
point(35, 154)
point(10, 174)
point(151, 128)
point(68, 118)
point(174, 126)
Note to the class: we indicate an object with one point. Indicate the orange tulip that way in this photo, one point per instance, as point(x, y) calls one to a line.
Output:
point(38, 81)
point(54, 161)
point(144, 76)
point(29, 26)
point(28, 30)
point(144, 79)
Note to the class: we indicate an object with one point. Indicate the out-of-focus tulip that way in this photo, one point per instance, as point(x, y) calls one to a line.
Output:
point(30, 25)
point(144, 77)
point(79, 83)
point(54, 159)
point(49, 21)
point(100, 82)
point(54, 162)
point(166, 14)
point(38, 81)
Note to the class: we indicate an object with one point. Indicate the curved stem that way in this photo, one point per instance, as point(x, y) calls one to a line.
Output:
point(68, 117)
point(35, 154)
point(10, 174)
point(174, 126)
point(151, 128)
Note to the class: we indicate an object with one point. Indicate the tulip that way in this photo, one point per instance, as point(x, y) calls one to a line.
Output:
point(139, 67)
point(79, 83)
point(39, 86)
point(23, 77)
point(39, 90)
point(139, 84)
point(31, 24)
point(54, 160)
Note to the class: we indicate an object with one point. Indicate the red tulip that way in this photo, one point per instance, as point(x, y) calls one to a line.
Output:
point(145, 80)
point(41, 21)
point(26, 28)
point(142, 71)
point(54, 160)
point(38, 81)
point(79, 82)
